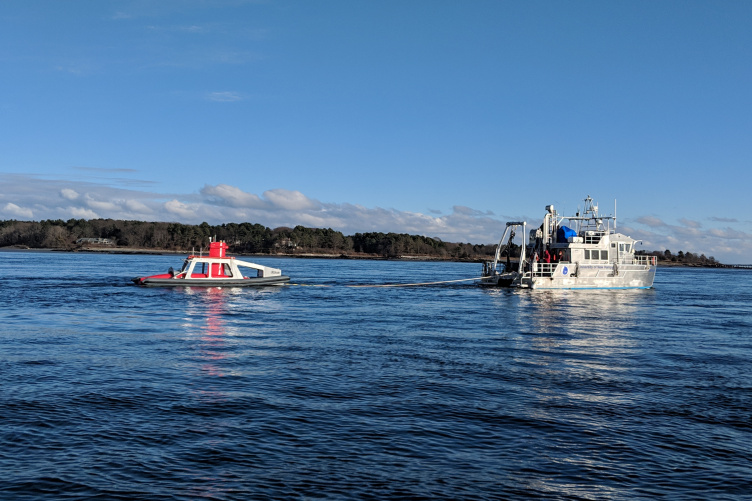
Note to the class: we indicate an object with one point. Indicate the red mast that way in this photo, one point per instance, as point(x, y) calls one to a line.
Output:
point(218, 249)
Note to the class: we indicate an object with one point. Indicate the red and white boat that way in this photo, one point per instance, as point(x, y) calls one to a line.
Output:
point(216, 270)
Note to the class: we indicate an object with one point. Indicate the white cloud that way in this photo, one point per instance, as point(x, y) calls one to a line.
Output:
point(290, 200)
point(725, 244)
point(77, 67)
point(224, 97)
point(179, 209)
point(15, 211)
point(69, 194)
point(82, 213)
point(231, 196)
point(138, 207)
point(224, 194)
point(651, 221)
point(25, 196)
point(728, 234)
point(459, 209)
point(689, 223)
point(101, 206)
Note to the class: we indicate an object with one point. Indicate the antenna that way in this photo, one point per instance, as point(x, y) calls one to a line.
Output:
point(614, 214)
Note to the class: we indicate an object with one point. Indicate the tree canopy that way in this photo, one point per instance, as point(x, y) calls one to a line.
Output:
point(246, 238)
point(251, 238)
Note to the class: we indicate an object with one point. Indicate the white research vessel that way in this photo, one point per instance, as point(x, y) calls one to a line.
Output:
point(587, 253)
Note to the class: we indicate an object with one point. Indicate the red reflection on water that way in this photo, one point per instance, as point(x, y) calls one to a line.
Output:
point(214, 334)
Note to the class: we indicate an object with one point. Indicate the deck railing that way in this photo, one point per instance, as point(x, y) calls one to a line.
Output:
point(645, 260)
point(594, 238)
point(544, 269)
point(541, 269)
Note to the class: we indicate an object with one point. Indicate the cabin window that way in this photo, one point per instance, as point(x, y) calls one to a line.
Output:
point(621, 247)
point(227, 271)
point(596, 255)
point(199, 269)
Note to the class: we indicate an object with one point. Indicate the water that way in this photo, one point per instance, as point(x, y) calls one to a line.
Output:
point(112, 391)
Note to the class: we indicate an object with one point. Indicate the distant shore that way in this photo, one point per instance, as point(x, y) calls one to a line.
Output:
point(312, 255)
point(300, 255)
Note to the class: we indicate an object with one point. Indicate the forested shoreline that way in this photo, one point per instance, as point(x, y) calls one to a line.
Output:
point(242, 238)
point(252, 238)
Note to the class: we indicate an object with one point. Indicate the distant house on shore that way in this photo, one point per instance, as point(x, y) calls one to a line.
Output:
point(95, 241)
point(285, 242)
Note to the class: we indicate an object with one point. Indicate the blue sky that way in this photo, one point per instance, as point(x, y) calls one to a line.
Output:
point(436, 117)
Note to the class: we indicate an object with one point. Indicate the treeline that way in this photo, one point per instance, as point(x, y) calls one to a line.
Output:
point(242, 238)
point(681, 257)
point(249, 238)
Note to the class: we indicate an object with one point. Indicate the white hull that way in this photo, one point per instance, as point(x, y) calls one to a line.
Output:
point(209, 282)
point(592, 277)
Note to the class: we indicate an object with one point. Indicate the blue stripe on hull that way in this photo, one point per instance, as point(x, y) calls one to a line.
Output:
point(587, 288)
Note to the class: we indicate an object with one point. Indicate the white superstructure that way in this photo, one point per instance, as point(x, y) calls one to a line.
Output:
point(586, 253)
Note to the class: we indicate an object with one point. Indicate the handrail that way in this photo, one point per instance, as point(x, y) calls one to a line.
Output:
point(541, 269)
point(544, 269)
point(594, 239)
point(645, 260)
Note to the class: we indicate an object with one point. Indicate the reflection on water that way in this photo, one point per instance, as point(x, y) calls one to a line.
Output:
point(213, 335)
point(578, 346)
point(229, 323)
point(587, 312)
point(598, 320)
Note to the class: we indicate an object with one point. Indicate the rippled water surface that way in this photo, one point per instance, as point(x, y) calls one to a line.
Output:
point(318, 390)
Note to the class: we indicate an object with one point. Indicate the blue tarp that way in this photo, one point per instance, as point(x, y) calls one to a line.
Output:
point(564, 232)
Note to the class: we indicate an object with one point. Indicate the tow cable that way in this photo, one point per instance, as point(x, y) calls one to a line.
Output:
point(394, 285)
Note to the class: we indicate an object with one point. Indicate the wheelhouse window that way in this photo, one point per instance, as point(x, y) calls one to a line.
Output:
point(198, 269)
point(596, 255)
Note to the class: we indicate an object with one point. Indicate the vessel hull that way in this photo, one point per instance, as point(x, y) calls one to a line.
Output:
point(204, 282)
point(502, 280)
point(599, 278)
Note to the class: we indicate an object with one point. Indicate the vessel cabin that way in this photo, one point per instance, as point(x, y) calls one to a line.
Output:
point(588, 242)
